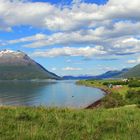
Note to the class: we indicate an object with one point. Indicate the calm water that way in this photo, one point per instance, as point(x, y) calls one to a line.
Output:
point(59, 93)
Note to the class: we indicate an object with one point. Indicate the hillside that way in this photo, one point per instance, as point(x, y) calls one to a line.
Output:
point(112, 74)
point(18, 65)
point(80, 77)
point(108, 74)
point(133, 72)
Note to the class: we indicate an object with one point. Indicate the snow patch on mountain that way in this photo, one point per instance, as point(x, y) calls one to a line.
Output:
point(11, 52)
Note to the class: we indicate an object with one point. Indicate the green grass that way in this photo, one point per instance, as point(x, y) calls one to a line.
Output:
point(25, 123)
point(119, 96)
point(99, 84)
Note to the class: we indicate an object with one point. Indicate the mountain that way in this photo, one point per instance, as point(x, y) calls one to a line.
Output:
point(133, 72)
point(18, 65)
point(80, 77)
point(112, 74)
point(108, 74)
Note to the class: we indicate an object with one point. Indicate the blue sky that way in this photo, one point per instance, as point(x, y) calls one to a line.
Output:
point(73, 37)
point(69, 1)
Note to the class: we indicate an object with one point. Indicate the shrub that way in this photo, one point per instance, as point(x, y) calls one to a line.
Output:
point(24, 116)
point(112, 100)
point(133, 96)
point(134, 83)
point(116, 83)
point(138, 105)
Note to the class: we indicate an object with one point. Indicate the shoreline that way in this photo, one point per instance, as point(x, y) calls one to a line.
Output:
point(98, 102)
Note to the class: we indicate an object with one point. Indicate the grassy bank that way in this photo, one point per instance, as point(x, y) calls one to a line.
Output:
point(100, 84)
point(119, 93)
point(25, 123)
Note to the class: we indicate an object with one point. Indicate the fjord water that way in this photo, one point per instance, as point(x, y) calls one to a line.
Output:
point(52, 94)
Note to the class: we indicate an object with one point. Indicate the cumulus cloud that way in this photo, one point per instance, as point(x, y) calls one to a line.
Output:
point(37, 37)
point(98, 36)
point(71, 51)
point(127, 45)
point(109, 29)
point(114, 37)
point(112, 46)
point(62, 38)
point(65, 18)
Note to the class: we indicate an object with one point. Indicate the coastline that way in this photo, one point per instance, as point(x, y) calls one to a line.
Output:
point(98, 102)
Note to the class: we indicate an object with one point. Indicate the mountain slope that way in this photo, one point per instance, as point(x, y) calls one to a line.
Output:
point(108, 74)
point(80, 77)
point(18, 65)
point(133, 72)
point(112, 74)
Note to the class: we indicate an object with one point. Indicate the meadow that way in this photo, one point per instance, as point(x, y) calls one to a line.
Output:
point(26, 123)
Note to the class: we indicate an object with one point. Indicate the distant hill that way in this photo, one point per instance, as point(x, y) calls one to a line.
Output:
point(112, 74)
point(18, 65)
point(133, 72)
point(80, 77)
point(108, 74)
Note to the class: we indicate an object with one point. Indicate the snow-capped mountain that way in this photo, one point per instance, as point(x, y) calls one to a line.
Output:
point(18, 65)
point(15, 57)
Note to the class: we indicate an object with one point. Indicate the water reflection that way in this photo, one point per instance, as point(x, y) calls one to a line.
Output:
point(60, 94)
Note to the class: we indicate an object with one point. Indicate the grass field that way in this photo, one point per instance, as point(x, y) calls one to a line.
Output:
point(25, 123)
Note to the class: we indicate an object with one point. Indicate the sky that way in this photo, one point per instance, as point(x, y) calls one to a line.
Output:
point(73, 37)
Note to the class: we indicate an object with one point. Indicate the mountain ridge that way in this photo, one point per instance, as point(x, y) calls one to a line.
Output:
point(108, 74)
point(18, 65)
point(133, 72)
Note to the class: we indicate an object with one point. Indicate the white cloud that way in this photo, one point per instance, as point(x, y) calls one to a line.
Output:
point(98, 36)
point(134, 61)
point(63, 38)
point(109, 29)
point(73, 17)
point(71, 69)
point(70, 51)
point(122, 40)
point(126, 45)
point(37, 37)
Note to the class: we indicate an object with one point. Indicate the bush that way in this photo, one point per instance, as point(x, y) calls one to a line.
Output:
point(116, 83)
point(134, 83)
point(138, 105)
point(26, 116)
point(113, 100)
point(133, 96)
